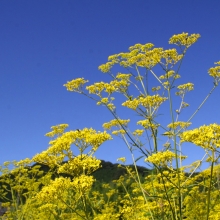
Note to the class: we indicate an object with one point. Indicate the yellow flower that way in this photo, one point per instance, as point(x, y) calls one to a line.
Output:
point(138, 132)
point(115, 123)
point(162, 158)
point(152, 101)
point(180, 124)
point(57, 130)
point(184, 39)
point(123, 76)
point(122, 159)
point(82, 164)
point(171, 56)
point(61, 146)
point(168, 75)
point(215, 72)
point(148, 124)
point(105, 68)
point(155, 89)
point(75, 85)
point(83, 183)
point(118, 132)
point(141, 47)
point(133, 104)
point(206, 136)
point(98, 88)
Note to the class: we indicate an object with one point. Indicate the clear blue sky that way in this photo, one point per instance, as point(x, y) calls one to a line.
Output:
point(43, 44)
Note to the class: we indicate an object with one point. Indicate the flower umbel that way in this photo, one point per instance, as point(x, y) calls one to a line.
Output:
point(75, 85)
point(206, 136)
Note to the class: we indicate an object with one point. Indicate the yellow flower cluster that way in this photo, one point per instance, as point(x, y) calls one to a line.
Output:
point(59, 187)
point(152, 101)
point(60, 147)
point(123, 76)
point(57, 130)
point(148, 124)
point(115, 123)
point(83, 183)
point(120, 84)
point(171, 56)
point(118, 132)
point(120, 124)
point(184, 39)
point(98, 88)
point(122, 159)
point(162, 158)
point(180, 124)
point(132, 104)
point(138, 132)
point(184, 105)
point(169, 74)
point(141, 47)
point(22, 163)
point(149, 59)
point(144, 55)
point(54, 190)
point(215, 72)
point(103, 101)
point(183, 89)
point(105, 68)
point(187, 86)
point(155, 89)
point(75, 85)
point(148, 102)
point(49, 159)
point(206, 136)
point(82, 164)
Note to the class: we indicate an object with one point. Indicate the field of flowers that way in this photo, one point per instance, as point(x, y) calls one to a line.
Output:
point(169, 191)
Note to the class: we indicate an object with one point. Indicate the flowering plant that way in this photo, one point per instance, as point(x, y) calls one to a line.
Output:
point(169, 192)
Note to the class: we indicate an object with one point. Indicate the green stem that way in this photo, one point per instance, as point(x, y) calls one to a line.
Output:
point(176, 156)
point(165, 188)
point(202, 103)
point(210, 185)
point(146, 93)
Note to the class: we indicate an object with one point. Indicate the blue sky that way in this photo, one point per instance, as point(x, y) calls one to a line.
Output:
point(44, 44)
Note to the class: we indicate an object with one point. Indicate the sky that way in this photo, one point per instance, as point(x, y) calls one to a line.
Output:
point(44, 44)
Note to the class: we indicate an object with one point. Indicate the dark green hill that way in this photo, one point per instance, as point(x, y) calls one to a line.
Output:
point(106, 174)
point(110, 171)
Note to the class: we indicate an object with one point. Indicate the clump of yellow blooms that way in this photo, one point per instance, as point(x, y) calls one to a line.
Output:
point(184, 39)
point(180, 124)
point(206, 136)
point(148, 124)
point(184, 88)
point(148, 102)
point(69, 189)
point(162, 158)
point(57, 130)
point(138, 132)
point(98, 88)
point(215, 73)
point(75, 85)
point(80, 164)
point(115, 123)
point(119, 124)
point(122, 159)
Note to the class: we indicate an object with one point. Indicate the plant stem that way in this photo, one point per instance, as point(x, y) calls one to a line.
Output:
point(210, 185)
point(176, 156)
